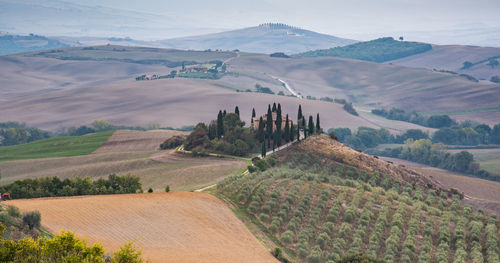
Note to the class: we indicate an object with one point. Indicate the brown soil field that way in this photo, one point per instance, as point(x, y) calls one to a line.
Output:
point(480, 193)
point(452, 57)
point(170, 227)
point(133, 141)
point(156, 169)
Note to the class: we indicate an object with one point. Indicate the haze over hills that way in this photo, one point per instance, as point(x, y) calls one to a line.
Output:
point(265, 38)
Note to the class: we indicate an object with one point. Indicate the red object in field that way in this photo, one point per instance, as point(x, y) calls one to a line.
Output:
point(5, 195)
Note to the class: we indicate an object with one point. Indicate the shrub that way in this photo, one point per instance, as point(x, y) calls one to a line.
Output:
point(150, 190)
point(32, 219)
point(173, 142)
point(13, 211)
point(167, 188)
point(287, 237)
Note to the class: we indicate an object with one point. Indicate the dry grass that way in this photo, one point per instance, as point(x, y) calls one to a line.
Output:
point(182, 173)
point(174, 227)
point(322, 144)
point(132, 141)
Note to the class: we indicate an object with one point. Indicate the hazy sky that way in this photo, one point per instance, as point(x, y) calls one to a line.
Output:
point(436, 21)
point(346, 18)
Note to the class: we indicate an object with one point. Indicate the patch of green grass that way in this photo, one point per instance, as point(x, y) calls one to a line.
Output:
point(62, 146)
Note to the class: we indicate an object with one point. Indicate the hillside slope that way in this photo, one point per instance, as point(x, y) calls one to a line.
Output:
point(265, 38)
point(323, 201)
point(452, 57)
point(173, 227)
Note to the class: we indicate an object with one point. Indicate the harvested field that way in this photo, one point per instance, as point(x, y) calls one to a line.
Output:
point(132, 141)
point(156, 169)
point(173, 227)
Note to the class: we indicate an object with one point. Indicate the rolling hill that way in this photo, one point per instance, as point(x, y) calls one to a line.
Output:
point(323, 201)
point(11, 44)
point(378, 50)
point(265, 38)
point(75, 86)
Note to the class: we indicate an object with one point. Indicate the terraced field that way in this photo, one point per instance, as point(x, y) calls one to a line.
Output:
point(173, 227)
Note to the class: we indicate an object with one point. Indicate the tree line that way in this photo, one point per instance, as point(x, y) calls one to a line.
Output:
point(54, 186)
point(434, 121)
point(435, 154)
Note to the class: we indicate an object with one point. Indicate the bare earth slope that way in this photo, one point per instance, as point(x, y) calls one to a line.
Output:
point(133, 141)
point(170, 227)
point(452, 57)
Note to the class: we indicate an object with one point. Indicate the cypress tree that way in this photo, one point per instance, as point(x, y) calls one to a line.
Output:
point(279, 118)
point(263, 153)
point(260, 131)
point(269, 122)
point(274, 106)
point(220, 125)
point(299, 114)
point(304, 128)
point(292, 132)
point(298, 134)
point(253, 113)
point(318, 127)
point(224, 113)
point(311, 125)
point(287, 130)
point(237, 111)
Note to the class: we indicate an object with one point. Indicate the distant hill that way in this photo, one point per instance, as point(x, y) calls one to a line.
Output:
point(12, 44)
point(265, 38)
point(378, 50)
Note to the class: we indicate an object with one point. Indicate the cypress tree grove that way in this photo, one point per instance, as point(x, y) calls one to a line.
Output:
point(220, 125)
point(311, 125)
point(287, 130)
point(318, 127)
point(237, 111)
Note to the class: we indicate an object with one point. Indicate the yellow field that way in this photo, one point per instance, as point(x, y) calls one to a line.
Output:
point(173, 227)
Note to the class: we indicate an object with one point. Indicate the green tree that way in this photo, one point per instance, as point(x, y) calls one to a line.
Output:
point(292, 132)
point(287, 130)
point(318, 126)
point(220, 125)
point(263, 150)
point(495, 134)
point(128, 253)
point(304, 128)
point(260, 131)
point(269, 122)
point(32, 219)
point(237, 111)
point(311, 125)
point(253, 113)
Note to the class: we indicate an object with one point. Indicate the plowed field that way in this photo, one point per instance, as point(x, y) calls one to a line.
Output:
point(170, 227)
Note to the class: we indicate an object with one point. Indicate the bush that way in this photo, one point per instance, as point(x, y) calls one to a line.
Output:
point(150, 190)
point(32, 219)
point(173, 142)
point(287, 237)
point(167, 188)
point(13, 211)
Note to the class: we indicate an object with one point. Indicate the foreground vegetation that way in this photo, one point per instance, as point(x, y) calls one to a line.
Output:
point(55, 147)
point(378, 50)
point(321, 211)
point(64, 247)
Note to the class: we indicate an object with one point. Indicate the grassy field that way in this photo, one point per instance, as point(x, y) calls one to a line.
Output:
point(169, 227)
point(55, 147)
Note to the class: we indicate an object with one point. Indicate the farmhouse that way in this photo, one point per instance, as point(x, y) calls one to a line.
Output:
point(197, 68)
point(255, 121)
